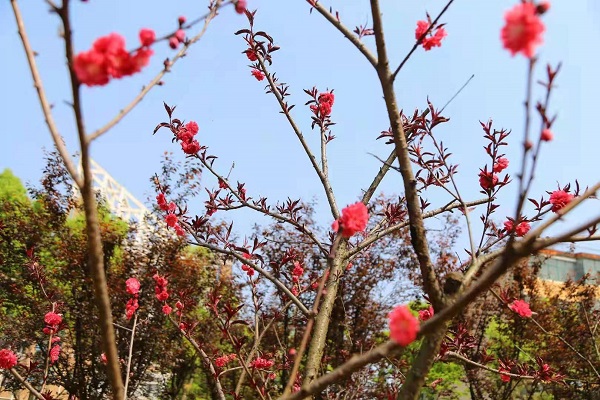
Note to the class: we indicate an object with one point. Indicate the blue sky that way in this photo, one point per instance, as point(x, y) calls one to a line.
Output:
point(213, 86)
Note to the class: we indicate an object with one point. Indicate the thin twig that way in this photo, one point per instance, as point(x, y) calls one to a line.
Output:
point(485, 367)
point(130, 355)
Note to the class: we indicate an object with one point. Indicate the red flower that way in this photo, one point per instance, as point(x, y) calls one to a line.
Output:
point(133, 286)
point(166, 309)
point(179, 305)
point(547, 135)
point(433, 39)
point(221, 361)
point(523, 29)
point(173, 42)
point(324, 109)
point(192, 127)
point(147, 37)
point(326, 97)
point(109, 58)
point(53, 319)
point(354, 219)
point(103, 359)
point(298, 270)
point(160, 281)
point(171, 220)
point(559, 199)
point(180, 35)
point(240, 6)
point(504, 377)
point(162, 202)
point(181, 20)
point(90, 70)
point(403, 325)
point(8, 359)
point(501, 164)
point(487, 180)
point(131, 307)
point(163, 295)
point(520, 229)
point(251, 55)
point(191, 147)
point(258, 75)
point(261, 363)
point(54, 353)
point(179, 230)
point(521, 307)
point(424, 315)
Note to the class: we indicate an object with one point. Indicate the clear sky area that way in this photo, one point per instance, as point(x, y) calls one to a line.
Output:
point(239, 122)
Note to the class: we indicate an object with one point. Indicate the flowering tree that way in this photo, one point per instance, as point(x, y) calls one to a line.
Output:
point(282, 341)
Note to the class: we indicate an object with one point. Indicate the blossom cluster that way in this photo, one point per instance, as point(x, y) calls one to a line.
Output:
point(261, 363)
point(108, 59)
point(170, 219)
point(162, 294)
point(324, 104)
point(249, 270)
point(133, 288)
point(186, 136)
point(8, 359)
point(224, 360)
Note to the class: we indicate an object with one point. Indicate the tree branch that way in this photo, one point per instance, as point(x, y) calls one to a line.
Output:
point(417, 226)
point(46, 108)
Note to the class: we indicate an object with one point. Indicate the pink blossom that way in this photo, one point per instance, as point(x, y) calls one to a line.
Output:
point(521, 307)
point(546, 135)
point(354, 219)
point(403, 325)
point(54, 353)
point(53, 319)
point(426, 314)
point(523, 29)
point(8, 359)
point(133, 286)
point(559, 199)
point(501, 164)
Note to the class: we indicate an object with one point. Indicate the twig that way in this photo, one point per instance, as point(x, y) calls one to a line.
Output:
point(376, 236)
point(130, 355)
point(485, 367)
point(261, 271)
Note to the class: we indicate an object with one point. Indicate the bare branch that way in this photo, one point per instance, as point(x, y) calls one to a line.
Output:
point(46, 108)
point(417, 231)
point(31, 389)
